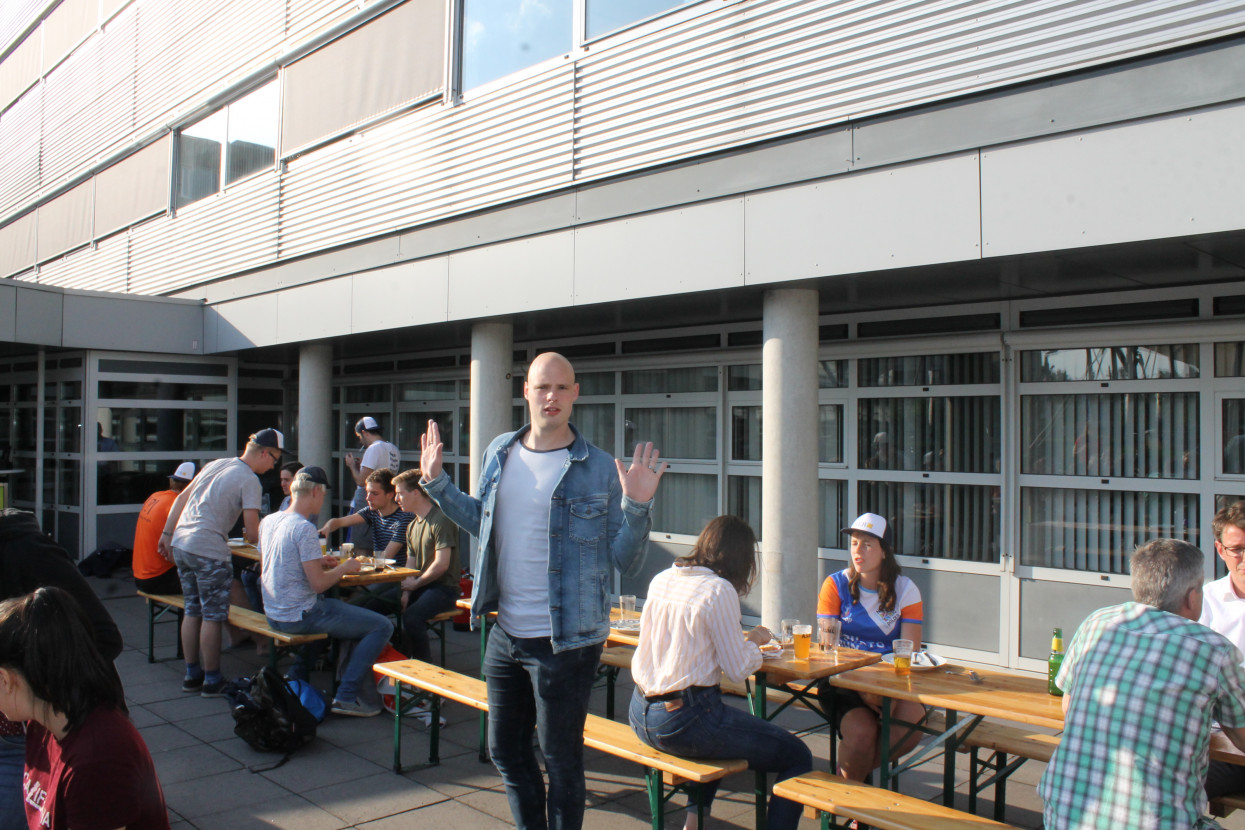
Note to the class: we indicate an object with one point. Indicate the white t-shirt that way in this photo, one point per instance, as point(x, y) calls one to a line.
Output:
point(521, 533)
point(286, 541)
point(223, 489)
point(381, 455)
point(1224, 611)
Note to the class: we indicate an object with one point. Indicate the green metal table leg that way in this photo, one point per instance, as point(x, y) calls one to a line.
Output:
point(656, 799)
point(886, 743)
point(397, 726)
point(948, 765)
point(761, 789)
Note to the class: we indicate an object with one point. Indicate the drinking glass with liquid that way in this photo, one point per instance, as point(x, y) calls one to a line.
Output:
point(903, 657)
point(801, 639)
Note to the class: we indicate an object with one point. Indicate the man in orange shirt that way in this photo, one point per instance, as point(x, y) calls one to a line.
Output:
point(152, 572)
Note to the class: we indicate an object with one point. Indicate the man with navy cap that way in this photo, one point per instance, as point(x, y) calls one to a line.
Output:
point(154, 573)
point(196, 537)
point(294, 576)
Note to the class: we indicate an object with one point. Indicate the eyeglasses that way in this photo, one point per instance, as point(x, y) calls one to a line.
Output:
point(276, 457)
point(1235, 553)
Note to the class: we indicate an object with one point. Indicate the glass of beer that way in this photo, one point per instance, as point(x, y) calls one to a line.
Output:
point(903, 657)
point(626, 606)
point(347, 550)
point(801, 639)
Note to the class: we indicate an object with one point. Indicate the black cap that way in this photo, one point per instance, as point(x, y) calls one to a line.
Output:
point(316, 475)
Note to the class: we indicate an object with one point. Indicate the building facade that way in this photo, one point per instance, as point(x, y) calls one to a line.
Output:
point(976, 266)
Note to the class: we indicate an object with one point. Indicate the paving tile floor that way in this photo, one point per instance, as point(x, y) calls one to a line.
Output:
point(213, 781)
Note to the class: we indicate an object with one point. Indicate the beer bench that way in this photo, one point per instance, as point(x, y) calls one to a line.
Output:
point(1001, 741)
point(1226, 804)
point(243, 618)
point(662, 770)
point(826, 794)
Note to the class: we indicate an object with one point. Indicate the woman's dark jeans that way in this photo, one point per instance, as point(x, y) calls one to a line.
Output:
point(705, 727)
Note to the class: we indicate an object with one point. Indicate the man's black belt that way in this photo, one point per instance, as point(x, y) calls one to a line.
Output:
point(675, 695)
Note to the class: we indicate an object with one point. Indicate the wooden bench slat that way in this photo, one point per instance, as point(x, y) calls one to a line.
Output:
point(244, 618)
point(599, 733)
point(1225, 805)
point(997, 737)
point(881, 808)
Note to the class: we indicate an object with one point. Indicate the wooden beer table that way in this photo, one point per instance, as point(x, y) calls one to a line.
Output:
point(1010, 697)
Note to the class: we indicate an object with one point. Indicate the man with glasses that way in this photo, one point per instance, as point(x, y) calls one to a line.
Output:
point(1223, 609)
point(196, 533)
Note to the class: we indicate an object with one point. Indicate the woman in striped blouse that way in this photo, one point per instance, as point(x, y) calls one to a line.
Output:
point(689, 637)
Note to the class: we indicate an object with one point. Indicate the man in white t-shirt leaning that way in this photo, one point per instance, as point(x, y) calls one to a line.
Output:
point(555, 517)
point(1223, 609)
point(378, 454)
point(196, 538)
point(293, 578)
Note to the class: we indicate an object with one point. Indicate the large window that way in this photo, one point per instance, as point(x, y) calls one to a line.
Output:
point(230, 144)
point(500, 37)
point(1110, 448)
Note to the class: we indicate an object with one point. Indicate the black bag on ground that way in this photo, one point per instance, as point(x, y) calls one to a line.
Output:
point(268, 714)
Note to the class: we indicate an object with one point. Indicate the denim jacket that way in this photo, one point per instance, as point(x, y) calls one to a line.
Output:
point(593, 530)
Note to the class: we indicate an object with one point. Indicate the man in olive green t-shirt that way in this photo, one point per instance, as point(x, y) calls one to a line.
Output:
point(432, 549)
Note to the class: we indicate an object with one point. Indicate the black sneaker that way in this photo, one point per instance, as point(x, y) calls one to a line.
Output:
point(192, 684)
point(216, 689)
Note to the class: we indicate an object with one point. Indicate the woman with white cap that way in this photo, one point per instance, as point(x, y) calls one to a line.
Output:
point(877, 605)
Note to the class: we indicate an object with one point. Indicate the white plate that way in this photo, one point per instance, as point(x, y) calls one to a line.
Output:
point(921, 660)
point(771, 650)
point(625, 625)
point(237, 543)
point(366, 569)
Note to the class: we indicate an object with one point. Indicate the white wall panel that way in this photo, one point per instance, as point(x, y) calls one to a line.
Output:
point(1171, 176)
point(241, 324)
point(432, 163)
point(68, 24)
point(755, 70)
point(310, 312)
point(104, 267)
point(410, 294)
point(526, 275)
point(19, 150)
point(910, 215)
point(65, 222)
point(231, 231)
point(695, 248)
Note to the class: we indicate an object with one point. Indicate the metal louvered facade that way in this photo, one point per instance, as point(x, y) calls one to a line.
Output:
point(718, 76)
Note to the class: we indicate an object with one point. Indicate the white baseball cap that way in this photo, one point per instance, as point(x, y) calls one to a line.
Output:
point(185, 471)
point(874, 525)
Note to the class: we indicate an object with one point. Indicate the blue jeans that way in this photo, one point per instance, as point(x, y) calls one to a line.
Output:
point(425, 604)
point(705, 727)
point(345, 622)
point(12, 764)
point(532, 689)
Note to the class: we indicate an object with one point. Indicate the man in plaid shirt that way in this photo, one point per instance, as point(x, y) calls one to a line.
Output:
point(1142, 683)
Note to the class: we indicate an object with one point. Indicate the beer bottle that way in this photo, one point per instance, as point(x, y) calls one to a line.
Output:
point(1054, 662)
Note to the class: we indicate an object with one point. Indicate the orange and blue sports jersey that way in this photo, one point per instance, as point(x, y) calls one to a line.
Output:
point(864, 626)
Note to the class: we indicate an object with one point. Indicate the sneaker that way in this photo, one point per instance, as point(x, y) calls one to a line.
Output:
point(216, 689)
point(355, 709)
point(192, 684)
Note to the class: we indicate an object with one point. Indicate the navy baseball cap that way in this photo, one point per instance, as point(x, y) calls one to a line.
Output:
point(316, 475)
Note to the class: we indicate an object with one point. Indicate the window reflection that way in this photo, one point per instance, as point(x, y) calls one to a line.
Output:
point(947, 521)
point(1180, 360)
point(952, 434)
point(501, 37)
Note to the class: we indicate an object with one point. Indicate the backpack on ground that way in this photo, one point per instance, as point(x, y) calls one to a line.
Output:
point(268, 715)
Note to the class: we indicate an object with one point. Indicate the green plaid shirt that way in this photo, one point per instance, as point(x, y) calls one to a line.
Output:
point(1143, 687)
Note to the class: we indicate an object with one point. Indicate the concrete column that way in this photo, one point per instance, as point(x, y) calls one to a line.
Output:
point(492, 359)
point(315, 406)
point(789, 502)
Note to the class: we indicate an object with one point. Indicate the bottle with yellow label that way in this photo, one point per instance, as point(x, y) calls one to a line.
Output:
point(1054, 662)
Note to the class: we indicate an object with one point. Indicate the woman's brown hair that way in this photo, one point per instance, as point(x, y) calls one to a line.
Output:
point(728, 547)
point(889, 574)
